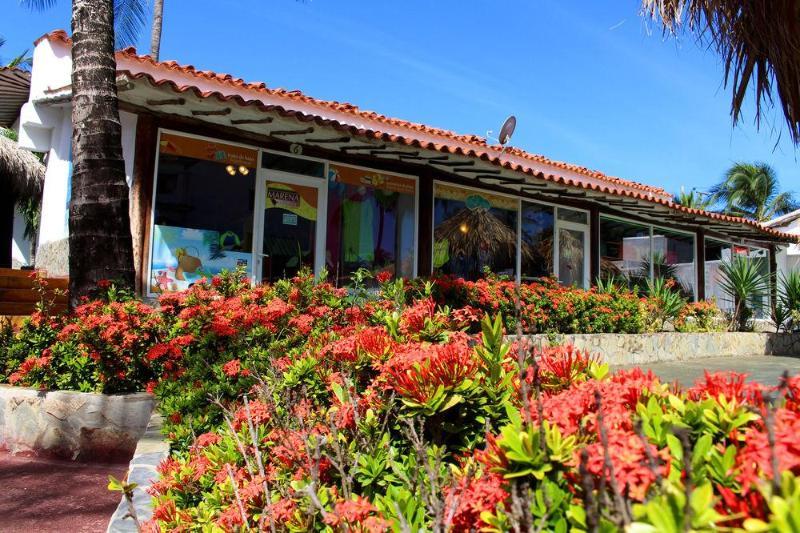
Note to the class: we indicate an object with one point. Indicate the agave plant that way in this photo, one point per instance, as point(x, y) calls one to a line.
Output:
point(743, 280)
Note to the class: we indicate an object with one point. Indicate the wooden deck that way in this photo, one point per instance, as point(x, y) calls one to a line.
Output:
point(17, 296)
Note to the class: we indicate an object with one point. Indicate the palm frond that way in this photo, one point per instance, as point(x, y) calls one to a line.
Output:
point(38, 5)
point(22, 61)
point(758, 42)
point(130, 17)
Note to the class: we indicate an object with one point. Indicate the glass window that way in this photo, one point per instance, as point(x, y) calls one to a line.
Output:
point(473, 231)
point(295, 165)
point(370, 223)
point(571, 215)
point(203, 213)
point(537, 240)
point(624, 251)
point(673, 258)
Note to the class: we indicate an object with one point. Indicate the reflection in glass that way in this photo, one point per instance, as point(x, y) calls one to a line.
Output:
point(624, 251)
point(537, 238)
point(673, 258)
point(472, 233)
point(571, 257)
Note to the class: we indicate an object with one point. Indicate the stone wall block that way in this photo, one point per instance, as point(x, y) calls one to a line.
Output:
point(72, 425)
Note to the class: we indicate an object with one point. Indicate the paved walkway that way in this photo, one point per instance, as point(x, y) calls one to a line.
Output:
point(43, 495)
point(766, 369)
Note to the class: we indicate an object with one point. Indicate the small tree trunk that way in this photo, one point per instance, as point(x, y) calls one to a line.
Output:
point(155, 36)
point(100, 241)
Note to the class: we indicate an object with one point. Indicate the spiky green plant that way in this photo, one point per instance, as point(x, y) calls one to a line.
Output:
point(787, 306)
point(743, 280)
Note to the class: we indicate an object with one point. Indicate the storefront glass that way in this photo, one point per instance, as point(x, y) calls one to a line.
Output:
point(624, 251)
point(537, 240)
point(370, 223)
point(673, 258)
point(203, 212)
point(474, 231)
point(290, 229)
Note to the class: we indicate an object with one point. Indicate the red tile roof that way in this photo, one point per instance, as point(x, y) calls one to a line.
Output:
point(171, 74)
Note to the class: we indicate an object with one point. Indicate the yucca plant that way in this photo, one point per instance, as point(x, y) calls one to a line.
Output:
point(743, 280)
point(787, 307)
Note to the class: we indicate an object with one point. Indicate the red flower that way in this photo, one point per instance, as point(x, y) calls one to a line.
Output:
point(383, 276)
point(350, 512)
point(419, 374)
point(232, 368)
point(302, 323)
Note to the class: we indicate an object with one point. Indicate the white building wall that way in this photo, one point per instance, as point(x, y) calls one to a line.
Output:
point(788, 259)
point(20, 246)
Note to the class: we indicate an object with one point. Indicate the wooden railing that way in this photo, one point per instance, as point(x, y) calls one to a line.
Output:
point(18, 297)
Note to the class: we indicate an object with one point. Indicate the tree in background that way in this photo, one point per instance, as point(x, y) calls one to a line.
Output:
point(758, 42)
point(155, 35)
point(752, 190)
point(693, 199)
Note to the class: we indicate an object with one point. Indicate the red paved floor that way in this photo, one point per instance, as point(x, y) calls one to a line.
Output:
point(43, 495)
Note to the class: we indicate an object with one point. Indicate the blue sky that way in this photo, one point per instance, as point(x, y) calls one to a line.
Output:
point(591, 83)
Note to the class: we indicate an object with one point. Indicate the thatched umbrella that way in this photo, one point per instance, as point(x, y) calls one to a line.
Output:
point(20, 171)
point(759, 42)
point(472, 231)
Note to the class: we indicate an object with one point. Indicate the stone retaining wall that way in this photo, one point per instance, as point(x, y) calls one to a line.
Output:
point(151, 450)
point(628, 349)
point(72, 425)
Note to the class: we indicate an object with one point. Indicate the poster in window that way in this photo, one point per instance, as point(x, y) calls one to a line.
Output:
point(184, 256)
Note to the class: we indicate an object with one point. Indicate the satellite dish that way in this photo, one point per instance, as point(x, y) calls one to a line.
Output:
point(507, 130)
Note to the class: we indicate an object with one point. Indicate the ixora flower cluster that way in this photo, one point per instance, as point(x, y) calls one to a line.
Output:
point(301, 406)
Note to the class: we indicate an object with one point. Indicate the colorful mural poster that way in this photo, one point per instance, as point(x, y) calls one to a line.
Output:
point(184, 256)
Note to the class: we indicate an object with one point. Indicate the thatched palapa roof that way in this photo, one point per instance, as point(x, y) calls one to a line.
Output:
point(759, 42)
point(20, 170)
point(471, 230)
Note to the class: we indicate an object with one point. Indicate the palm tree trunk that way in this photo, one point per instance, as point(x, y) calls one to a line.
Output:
point(155, 36)
point(99, 225)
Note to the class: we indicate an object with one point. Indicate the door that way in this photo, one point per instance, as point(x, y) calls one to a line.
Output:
point(572, 247)
point(292, 214)
point(572, 257)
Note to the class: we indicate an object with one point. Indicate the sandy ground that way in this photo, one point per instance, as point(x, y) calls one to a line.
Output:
point(46, 495)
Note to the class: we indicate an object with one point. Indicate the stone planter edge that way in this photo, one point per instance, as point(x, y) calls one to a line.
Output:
point(151, 450)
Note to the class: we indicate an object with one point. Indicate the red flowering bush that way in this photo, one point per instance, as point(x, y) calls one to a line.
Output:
point(100, 347)
point(373, 429)
point(700, 317)
point(301, 406)
point(544, 307)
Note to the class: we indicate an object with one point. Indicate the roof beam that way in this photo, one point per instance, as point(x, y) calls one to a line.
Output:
point(167, 101)
point(309, 129)
point(241, 121)
point(210, 112)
